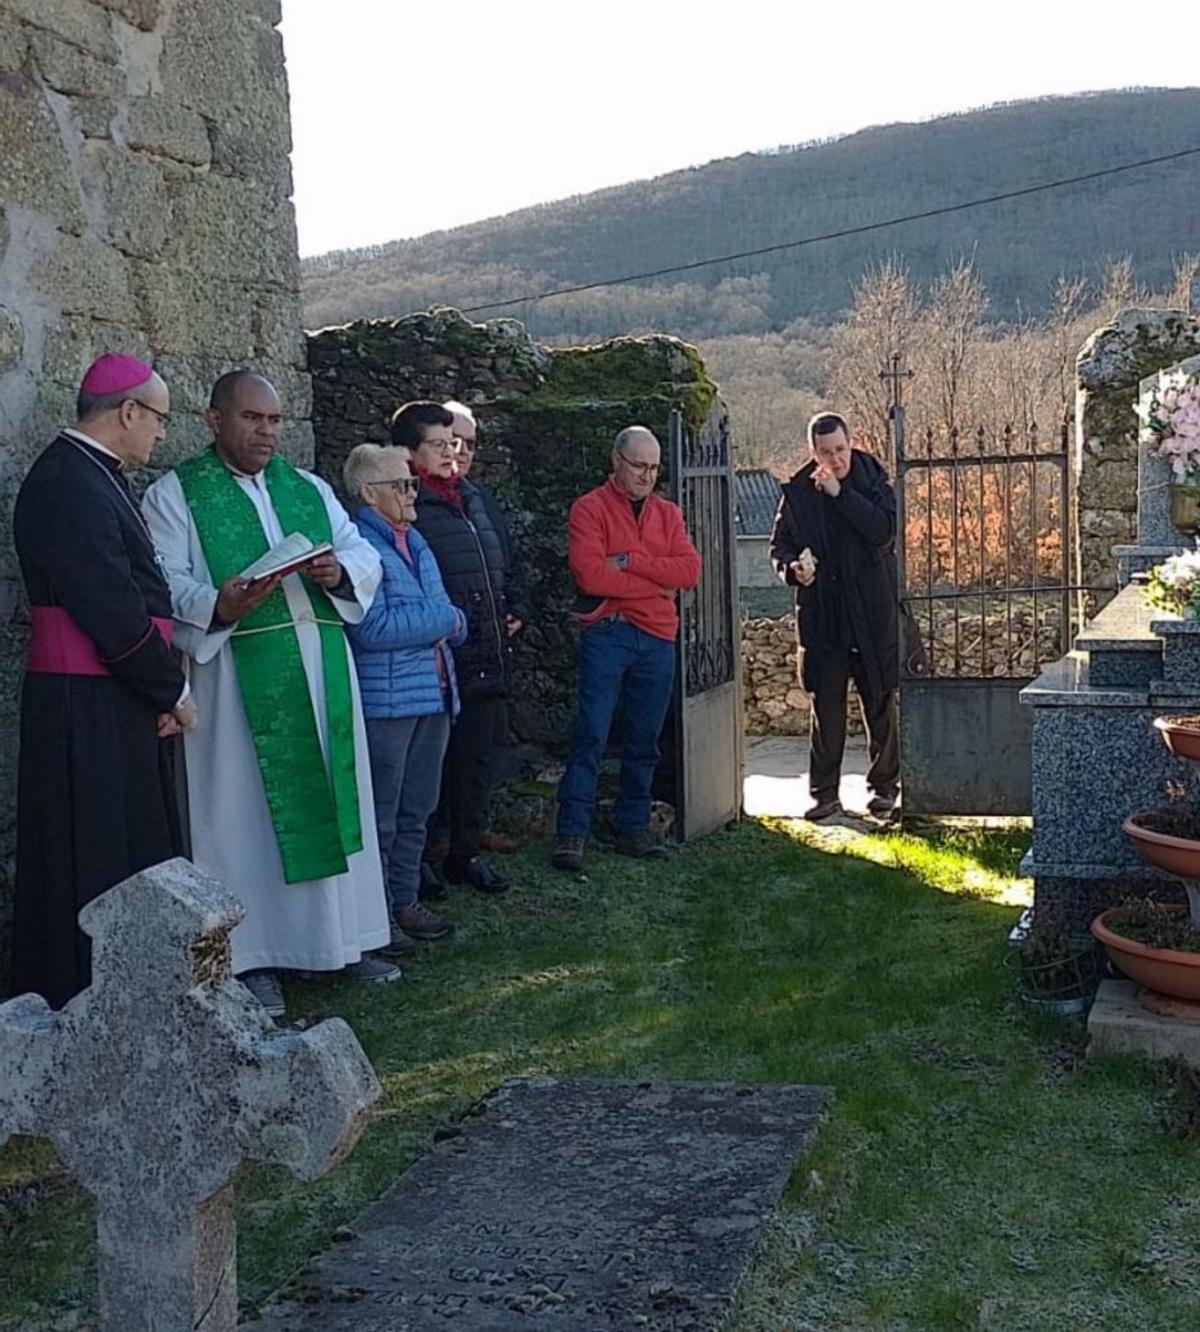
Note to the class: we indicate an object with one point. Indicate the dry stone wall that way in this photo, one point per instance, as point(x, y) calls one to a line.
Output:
point(145, 207)
point(773, 701)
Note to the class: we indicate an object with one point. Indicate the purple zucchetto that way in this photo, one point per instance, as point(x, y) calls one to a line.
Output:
point(114, 372)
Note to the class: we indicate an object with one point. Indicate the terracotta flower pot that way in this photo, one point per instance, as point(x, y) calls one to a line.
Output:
point(1176, 855)
point(1181, 735)
point(1165, 970)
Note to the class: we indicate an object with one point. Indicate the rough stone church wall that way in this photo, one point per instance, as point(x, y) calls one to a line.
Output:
point(145, 207)
point(547, 419)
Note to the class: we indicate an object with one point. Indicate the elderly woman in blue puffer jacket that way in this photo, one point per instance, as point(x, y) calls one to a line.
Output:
point(406, 677)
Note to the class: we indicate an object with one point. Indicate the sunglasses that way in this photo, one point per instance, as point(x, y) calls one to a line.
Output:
point(405, 485)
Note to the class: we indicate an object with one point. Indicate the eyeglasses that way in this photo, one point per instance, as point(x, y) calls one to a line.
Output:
point(164, 417)
point(464, 445)
point(643, 470)
point(441, 445)
point(404, 485)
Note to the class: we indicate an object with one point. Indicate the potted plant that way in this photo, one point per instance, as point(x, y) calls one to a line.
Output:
point(1169, 838)
point(1056, 970)
point(1172, 417)
point(1155, 944)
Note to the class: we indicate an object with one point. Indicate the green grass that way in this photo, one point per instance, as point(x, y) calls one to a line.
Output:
point(974, 1172)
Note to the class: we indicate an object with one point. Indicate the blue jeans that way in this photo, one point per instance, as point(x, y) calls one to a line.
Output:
point(406, 774)
point(618, 665)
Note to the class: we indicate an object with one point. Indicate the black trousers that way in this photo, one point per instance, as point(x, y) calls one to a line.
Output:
point(462, 811)
point(827, 727)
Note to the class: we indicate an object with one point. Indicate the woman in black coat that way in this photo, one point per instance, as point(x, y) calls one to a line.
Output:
point(472, 557)
point(834, 542)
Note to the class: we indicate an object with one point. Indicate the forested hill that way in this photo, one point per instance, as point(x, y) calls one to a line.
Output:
point(1020, 246)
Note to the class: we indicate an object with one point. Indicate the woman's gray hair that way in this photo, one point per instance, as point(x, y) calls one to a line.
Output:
point(365, 464)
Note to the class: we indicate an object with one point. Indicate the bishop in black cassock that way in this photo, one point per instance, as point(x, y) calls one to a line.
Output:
point(103, 690)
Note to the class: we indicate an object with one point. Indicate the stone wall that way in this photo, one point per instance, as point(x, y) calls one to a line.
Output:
point(144, 207)
point(1109, 369)
point(772, 700)
point(547, 419)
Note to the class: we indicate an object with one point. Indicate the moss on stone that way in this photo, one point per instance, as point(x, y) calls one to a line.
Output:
point(628, 370)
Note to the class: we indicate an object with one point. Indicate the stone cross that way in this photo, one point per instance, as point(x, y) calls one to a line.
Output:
point(159, 1081)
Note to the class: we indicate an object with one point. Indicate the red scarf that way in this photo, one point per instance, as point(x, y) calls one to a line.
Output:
point(448, 488)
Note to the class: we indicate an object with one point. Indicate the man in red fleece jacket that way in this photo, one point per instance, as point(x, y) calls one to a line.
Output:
point(630, 554)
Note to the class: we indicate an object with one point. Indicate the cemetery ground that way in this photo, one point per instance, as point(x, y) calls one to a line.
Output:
point(975, 1171)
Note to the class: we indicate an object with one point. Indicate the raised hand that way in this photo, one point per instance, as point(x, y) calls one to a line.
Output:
point(825, 481)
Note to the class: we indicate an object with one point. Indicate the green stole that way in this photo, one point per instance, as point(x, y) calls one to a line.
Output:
point(314, 810)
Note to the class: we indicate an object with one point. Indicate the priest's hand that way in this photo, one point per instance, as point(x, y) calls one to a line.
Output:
point(185, 713)
point(239, 596)
point(804, 572)
point(325, 570)
point(824, 480)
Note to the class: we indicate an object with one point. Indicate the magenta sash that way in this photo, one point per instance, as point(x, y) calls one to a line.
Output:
point(60, 647)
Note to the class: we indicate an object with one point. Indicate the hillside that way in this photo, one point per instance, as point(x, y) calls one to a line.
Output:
point(759, 199)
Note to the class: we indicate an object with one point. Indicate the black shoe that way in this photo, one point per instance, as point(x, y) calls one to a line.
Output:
point(400, 944)
point(641, 846)
point(883, 804)
point(431, 886)
point(568, 854)
point(824, 809)
point(477, 873)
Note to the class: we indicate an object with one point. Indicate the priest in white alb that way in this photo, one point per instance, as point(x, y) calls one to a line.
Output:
point(279, 789)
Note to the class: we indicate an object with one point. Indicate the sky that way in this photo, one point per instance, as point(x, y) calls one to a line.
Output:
point(410, 116)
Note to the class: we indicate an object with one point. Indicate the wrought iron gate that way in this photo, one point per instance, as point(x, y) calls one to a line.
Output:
point(983, 555)
point(708, 709)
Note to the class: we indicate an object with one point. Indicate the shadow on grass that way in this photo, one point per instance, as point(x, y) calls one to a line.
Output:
point(754, 956)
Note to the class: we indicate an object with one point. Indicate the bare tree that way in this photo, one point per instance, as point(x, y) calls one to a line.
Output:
point(951, 327)
point(881, 322)
point(1183, 282)
point(1067, 301)
point(1119, 287)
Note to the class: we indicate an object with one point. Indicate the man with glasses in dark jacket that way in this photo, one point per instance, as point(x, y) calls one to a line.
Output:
point(455, 521)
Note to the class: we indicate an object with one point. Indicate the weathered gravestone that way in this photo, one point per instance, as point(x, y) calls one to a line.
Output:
point(157, 1082)
point(568, 1204)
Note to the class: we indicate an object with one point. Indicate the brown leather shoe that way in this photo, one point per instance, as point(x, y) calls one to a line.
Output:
point(641, 846)
point(494, 841)
point(418, 922)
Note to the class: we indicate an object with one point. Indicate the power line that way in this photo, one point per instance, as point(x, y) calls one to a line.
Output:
point(834, 235)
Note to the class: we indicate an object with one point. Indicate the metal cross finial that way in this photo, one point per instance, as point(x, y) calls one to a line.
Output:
point(894, 377)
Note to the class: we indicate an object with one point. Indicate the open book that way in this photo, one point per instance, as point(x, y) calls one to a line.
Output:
point(290, 554)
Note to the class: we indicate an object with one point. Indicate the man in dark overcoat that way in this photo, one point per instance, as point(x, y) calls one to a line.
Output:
point(834, 542)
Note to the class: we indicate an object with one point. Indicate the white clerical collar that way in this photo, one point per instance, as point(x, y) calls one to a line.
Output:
point(93, 444)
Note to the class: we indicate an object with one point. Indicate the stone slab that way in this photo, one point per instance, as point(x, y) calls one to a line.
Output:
point(1124, 624)
point(569, 1204)
point(1068, 683)
point(1118, 1024)
point(1119, 669)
